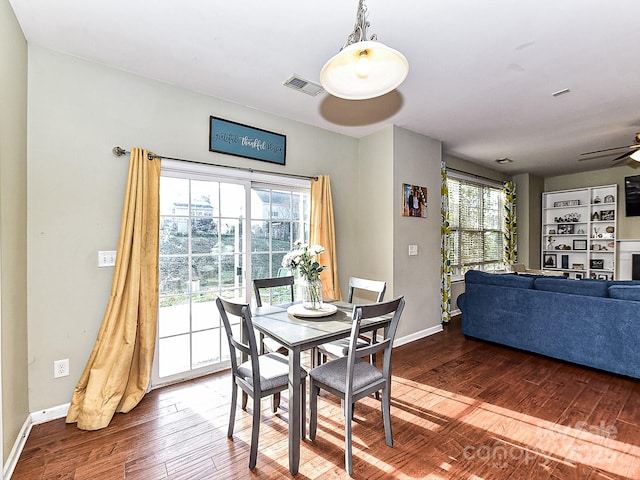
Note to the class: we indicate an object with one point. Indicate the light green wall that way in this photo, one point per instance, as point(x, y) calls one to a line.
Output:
point(628, 227)
point(78, 111)
point(13, 214)
point(389, 158)
point(375, 207)
point(416, 161)
point(529, 196)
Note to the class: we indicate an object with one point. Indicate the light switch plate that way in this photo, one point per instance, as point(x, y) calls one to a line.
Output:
point(413, 249)
point(106, 258)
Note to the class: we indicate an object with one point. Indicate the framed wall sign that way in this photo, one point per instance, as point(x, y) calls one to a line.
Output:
point(241, 140)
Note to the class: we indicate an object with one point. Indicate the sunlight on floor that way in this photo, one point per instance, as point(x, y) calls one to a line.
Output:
point(511, 432)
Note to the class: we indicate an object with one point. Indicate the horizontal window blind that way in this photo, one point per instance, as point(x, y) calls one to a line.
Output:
point(476, 217)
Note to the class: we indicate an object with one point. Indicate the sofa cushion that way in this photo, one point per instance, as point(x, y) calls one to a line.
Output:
point(498, 279)
point(617, 283)
point(590, 288)
point(625, 292)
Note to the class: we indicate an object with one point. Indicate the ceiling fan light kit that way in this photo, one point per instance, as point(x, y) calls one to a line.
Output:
point(364, 68)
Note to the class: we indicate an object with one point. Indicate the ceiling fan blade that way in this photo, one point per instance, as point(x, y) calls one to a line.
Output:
point(604, 155)
point(608, 149)
point(624, 155)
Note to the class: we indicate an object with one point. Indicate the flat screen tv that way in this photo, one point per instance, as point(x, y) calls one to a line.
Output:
point(632, 195)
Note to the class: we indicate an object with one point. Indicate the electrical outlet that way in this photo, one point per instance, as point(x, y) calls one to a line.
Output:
point(61, 368)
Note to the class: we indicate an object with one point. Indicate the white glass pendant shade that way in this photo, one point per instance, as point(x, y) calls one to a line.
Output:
point(636, 155)
point(362, 70)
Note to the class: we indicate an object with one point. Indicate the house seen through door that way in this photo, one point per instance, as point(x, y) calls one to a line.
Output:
point(216, 234)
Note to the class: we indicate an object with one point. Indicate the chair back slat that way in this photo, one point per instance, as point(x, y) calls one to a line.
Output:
point(377, 287)
point(370, 349)
point(273, 282)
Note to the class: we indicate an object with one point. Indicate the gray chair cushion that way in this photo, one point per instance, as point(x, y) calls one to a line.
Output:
point(274, 371)
point(340, 348)
point(334, 374)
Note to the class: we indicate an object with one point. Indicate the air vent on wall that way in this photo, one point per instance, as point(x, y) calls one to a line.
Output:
point(302, 85)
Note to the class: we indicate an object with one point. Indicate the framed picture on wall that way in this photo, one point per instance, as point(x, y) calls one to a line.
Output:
point(414, 201)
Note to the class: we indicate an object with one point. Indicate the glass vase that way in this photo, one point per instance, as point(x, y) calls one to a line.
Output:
point(311, 294)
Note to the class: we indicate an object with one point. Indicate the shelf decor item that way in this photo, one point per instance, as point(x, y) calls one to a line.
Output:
point(550, 260)
point(596, 264)
point(607, 215)
point(566, 229)
point(566, 203)
point(579, 244)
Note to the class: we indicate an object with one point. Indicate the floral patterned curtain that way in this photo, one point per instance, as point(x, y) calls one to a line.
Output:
point(510, 229)
point(445, 234)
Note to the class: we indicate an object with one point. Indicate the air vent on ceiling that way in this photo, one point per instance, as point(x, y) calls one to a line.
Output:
point(302, 85)
point(503, 160)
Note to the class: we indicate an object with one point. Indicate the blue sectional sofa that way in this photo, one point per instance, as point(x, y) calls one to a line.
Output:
point(595, 323)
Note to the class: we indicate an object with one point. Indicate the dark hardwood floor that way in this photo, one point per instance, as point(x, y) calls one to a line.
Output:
point(461, 409)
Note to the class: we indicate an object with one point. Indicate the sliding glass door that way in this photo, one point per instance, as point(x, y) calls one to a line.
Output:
point(208, 224)
point(202, 256)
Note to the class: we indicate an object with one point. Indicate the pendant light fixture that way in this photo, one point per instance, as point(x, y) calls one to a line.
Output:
point(364, 68)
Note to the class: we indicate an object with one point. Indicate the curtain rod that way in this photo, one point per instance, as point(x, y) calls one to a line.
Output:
point(474, 175)
point(118, 151)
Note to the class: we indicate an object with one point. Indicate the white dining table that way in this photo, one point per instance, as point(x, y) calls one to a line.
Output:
point(296, 335)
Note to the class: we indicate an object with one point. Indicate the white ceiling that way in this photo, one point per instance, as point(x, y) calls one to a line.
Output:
point(481, 77)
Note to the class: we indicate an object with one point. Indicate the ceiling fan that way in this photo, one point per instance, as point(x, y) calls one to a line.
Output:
point(631, 149)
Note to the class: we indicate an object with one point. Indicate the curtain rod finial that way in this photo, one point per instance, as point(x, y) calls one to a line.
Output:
point(118, 151)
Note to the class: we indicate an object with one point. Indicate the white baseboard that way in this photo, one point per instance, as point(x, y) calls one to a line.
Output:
point(417, 336)
point(18, 446)
point(49, 414)
point(35, 418)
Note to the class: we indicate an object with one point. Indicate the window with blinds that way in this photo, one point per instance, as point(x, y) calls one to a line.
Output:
point(476, 216)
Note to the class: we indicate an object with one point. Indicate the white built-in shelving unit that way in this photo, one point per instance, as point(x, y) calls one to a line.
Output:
point(579, 232)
